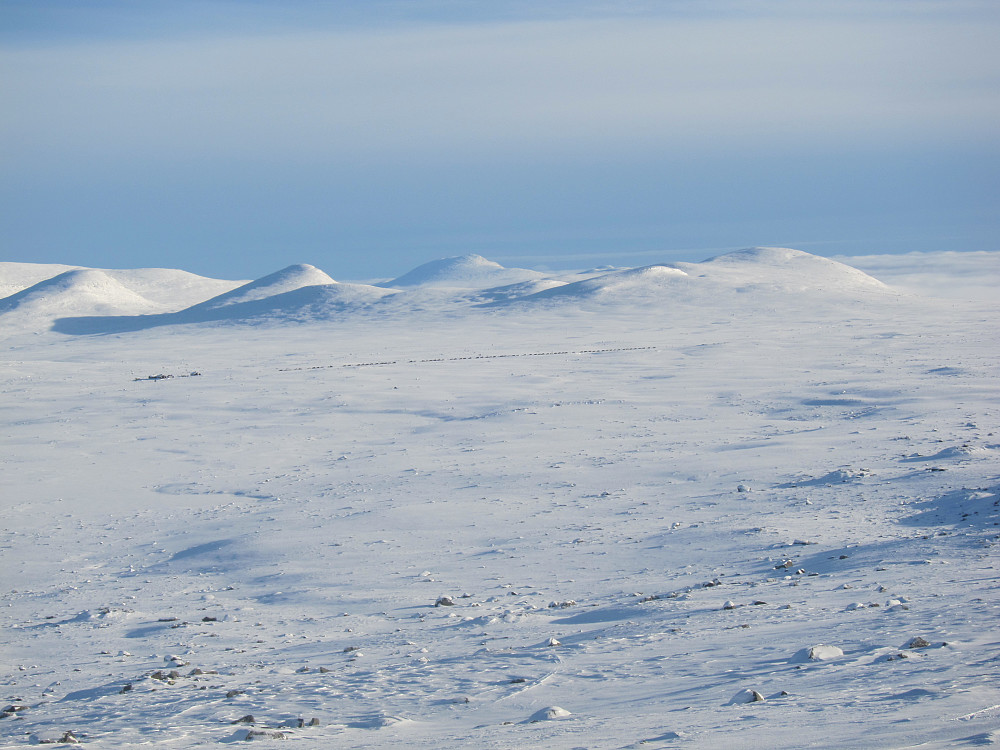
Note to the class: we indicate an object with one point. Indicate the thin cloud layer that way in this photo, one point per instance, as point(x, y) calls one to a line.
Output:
point(231, 137)
point(623, 84)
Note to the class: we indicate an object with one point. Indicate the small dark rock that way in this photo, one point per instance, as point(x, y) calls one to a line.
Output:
point(248, 719)
point(234, 693)
point(918, 642)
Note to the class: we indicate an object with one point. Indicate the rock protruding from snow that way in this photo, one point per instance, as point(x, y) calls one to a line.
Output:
point(464, 272)
point(821, 652)
point(551, 713)
point(746, 696)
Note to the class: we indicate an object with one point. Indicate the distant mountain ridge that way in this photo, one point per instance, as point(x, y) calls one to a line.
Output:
point(82, 300)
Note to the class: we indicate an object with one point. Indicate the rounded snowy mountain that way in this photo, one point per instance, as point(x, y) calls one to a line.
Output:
point(78, 292)
point(464, 271)
point(16, 277)
point(771, 271)
point(302, 304)
point(783, 269)
point(286, 280)
point(633, 282)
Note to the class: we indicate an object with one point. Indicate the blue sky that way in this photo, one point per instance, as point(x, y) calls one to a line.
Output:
point(234, 138)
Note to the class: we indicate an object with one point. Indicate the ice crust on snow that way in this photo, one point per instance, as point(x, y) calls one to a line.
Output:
point(259, 550)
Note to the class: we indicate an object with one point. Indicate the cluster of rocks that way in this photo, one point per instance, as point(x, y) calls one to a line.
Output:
point(173, 675)
point(67, 738)
point(12, 710)
point(269, 733)
point(914, 644)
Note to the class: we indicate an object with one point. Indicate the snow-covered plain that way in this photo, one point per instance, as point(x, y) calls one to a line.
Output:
point(494, 508)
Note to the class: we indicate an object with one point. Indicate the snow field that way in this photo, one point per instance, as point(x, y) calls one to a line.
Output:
point(633, 541)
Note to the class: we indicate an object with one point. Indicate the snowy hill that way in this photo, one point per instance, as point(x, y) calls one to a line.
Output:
point(303, 304)
point(464, 271)
point(82, 291)
point(15, 277)
point(286, 280)
point(308, 302)
point(172, 288)
point(779, 274)
point(147, 298)
point(784, 269)
point(649, 282)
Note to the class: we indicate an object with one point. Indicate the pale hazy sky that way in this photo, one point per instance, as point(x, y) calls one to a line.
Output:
point(232, 138)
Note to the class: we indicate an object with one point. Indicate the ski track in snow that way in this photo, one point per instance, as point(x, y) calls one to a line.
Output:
point(472, 545)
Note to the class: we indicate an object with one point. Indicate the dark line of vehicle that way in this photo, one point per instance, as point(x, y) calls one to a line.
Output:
point(459, 359)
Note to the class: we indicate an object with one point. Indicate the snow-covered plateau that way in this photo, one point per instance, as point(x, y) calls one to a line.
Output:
point(745, 503)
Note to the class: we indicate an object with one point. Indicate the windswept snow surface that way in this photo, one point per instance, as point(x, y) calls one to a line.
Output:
point(751, 502)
